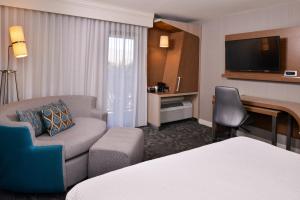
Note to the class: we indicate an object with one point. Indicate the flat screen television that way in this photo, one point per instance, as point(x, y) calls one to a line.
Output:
point(257, 55)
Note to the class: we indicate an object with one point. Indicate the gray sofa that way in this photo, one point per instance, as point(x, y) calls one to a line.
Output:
point(76, 141)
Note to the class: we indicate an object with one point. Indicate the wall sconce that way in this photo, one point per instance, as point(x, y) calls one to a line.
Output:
point(164, 41)
point(18, 45)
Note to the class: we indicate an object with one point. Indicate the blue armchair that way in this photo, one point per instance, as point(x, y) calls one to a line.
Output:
point(28, 168)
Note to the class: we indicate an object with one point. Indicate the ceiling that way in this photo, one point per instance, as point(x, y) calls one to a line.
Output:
point(192, 10)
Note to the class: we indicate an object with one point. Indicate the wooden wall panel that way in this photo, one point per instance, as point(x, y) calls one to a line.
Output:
point(290, 44)
point(173, 60)
point(289, 55)
point(166, 27)
point(156, 57)
point(189, 65)
point(180, 59)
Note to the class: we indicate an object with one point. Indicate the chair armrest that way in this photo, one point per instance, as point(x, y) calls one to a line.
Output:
point(20, 124)
point(52, 162)
point(27, 168)
point(34, 170)
point(39, 142)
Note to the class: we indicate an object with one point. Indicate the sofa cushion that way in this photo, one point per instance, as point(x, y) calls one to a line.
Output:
point(57, 118)
point(79, 138)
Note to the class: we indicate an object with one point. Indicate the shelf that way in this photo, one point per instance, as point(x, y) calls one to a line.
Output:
point(166, 94)
point(260, 77)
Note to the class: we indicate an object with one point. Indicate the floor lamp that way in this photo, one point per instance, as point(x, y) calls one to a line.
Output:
point(18, 46)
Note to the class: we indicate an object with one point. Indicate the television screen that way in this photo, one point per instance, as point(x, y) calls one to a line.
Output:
point(259, 54)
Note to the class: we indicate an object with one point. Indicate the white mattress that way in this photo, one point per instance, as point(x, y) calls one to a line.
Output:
point(237, 169)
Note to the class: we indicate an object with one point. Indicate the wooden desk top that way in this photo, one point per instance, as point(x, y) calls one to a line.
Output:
point(166, 94)
point(292, 108)
point(265, 111)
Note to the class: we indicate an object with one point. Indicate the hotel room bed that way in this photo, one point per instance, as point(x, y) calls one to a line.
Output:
point(235, 169)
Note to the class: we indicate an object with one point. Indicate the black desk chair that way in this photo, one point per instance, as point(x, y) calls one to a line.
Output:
point(228, 110)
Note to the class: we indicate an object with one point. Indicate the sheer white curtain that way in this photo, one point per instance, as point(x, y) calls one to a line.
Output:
point(73, 55)
point(124, 89)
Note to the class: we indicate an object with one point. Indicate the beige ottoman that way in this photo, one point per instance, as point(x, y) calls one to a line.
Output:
point(118, 148)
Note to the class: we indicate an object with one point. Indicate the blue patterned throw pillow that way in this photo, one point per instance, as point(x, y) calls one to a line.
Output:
point(57, 118)
point(34, 117)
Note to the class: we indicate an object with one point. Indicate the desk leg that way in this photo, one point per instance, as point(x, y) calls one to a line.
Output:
point(214, 134)
point(289, 133)
point(274, 131)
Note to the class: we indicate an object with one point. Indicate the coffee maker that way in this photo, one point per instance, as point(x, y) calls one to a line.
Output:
point(159, 87)
point(162, 87)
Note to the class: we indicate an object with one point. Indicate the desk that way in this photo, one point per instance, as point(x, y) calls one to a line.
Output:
point(273, 108)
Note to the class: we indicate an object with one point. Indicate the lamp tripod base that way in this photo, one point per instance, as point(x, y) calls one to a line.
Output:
point(4, 85)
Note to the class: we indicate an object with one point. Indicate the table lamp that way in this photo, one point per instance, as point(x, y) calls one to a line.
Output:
point(18, 45)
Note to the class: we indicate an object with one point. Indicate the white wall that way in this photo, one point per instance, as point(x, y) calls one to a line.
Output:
point(213, 59)
point(86, 8)
point(213, 54)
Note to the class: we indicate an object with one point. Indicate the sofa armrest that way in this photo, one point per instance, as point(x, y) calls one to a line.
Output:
point(96, 113)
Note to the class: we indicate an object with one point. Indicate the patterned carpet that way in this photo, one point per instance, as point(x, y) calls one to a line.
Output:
point(171, 138)
point(175, 137)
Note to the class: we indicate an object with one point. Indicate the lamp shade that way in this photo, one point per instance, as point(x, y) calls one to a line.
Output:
point(18, 41)
point(19, 49)
point(16, 34)
point(164, 41)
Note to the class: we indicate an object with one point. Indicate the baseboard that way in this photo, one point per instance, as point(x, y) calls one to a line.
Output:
point(205, 122)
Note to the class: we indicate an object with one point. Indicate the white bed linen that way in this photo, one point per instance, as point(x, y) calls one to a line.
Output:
point(236, 169)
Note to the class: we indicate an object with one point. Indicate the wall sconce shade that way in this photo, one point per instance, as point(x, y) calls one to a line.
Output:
point(164, 41)
point(18, 41)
